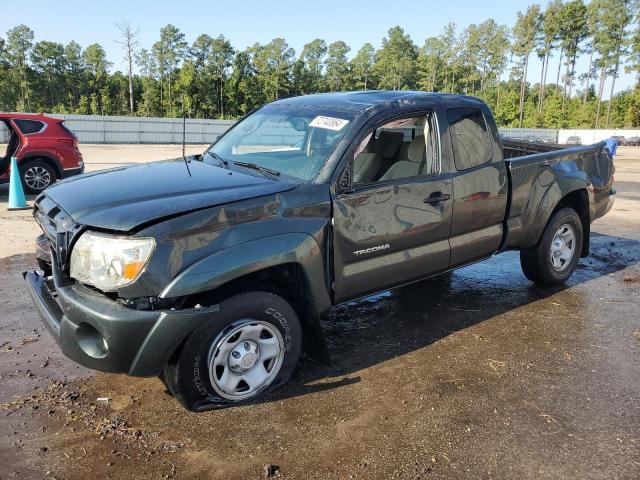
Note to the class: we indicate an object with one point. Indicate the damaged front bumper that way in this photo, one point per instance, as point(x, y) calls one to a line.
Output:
point(101, 334)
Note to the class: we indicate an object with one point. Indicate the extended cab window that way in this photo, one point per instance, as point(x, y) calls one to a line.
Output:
point(29, 126)
point(469, 137)
point(403, 148)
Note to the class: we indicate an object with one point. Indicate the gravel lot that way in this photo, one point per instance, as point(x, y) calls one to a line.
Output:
point(477, 375)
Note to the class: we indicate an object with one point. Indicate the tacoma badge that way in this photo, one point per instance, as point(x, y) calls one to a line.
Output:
point(371, 250)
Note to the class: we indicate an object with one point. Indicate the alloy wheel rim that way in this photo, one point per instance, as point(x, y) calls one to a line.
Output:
point(37, 178)
point(563, 247)
point(245, 358)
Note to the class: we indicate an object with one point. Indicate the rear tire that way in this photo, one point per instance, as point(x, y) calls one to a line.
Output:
point(247, 349)
point(554, 259)
point(37, 175)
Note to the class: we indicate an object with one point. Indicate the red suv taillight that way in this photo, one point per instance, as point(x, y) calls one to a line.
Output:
point(67, 142)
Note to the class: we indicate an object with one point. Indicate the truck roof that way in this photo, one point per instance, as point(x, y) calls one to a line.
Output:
point(359, 101)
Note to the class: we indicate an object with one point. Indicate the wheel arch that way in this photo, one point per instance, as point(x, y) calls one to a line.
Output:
point(45, 158)
point(574, 194)
point(287, 280)
point(289, 265)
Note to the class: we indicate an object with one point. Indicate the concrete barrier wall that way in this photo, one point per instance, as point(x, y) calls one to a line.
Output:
point(589, 137)
point(109, 129)
point(140, 130)
point(548, 135)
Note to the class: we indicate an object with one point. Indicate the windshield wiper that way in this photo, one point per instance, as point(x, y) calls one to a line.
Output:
point(218, 157)
point(253, 166)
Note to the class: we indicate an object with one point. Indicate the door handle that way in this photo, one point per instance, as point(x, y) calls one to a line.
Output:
point(437, 197)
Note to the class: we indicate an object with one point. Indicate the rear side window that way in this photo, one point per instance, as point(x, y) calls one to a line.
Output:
point(29, 126)
point(469, 137)
point(66, 129)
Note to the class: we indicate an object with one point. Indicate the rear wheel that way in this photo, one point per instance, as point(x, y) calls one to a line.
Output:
point(249, 348)
point(554, 259)
point(36, 176)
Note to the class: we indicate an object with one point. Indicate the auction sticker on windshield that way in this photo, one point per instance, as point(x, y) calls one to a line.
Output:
point(330, 123)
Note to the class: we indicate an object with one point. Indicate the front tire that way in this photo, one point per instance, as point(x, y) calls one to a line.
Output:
point(248, 349)
point(37, 175)
point(554, 259)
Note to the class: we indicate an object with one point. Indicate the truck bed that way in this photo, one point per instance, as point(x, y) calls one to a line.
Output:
point(534, 169)
point(520, 148)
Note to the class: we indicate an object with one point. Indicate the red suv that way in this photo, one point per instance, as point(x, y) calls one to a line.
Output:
point(44, 148)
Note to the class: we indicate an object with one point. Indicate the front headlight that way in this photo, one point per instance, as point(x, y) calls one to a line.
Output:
point(109, 262)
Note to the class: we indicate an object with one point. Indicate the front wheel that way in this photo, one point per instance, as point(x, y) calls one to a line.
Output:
point(249, 348)
point(554, 259)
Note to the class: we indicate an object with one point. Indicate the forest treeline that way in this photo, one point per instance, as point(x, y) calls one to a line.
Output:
point(209, 78)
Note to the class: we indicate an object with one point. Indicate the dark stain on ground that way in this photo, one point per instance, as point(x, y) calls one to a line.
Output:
point(473, 374)
point(393, 323)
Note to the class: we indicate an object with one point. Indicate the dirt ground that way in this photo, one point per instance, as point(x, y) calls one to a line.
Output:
point(478, 375)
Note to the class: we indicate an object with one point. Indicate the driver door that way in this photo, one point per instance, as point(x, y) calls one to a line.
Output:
point(395, 228)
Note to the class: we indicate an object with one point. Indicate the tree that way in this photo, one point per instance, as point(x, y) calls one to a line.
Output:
point(498, 51)
point(313, 58)
point(272, 63)
point(97, 64)
point(451, 57)
point(491, 51)
point(471, 50)
point(47, 59)
point(129, 44)
point(244, 83)
point(610, 19)
point(362, 65)
point(590, 49)
point(148, 68)
point(572, 18)
point(204, 91)
point(96, 61)
point(6, 95)
point(550, 36)
point(395, 65)
point(18, 48)
point(338, 73)
point(431, 64)
point(75, 71)
point(619, 41)
point(221, 57)
point(168, 52)
point(634, 51)
point(526, 35)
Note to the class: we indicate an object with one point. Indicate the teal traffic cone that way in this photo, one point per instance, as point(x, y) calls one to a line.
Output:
point(16, 193)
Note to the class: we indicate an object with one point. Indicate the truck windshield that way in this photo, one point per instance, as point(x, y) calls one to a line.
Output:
point(295, 141)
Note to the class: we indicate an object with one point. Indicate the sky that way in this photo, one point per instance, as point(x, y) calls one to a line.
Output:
point(244, 23)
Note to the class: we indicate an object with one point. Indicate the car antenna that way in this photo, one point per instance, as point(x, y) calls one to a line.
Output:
point(184, 122)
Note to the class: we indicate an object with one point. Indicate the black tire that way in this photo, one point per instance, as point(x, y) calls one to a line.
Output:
point(536, 261)
point(37, 169)
point(187, 374)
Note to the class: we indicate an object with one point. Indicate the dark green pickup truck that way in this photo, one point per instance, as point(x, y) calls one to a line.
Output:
point(213, 271)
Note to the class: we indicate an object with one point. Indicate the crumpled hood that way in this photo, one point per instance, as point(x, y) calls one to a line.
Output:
point(124, 198)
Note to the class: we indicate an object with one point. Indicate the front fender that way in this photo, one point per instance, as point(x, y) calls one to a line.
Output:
point(234, 262)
